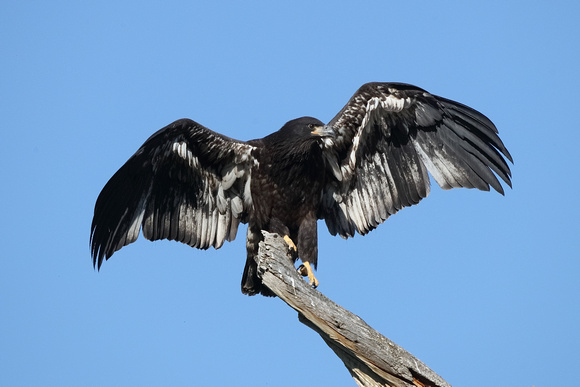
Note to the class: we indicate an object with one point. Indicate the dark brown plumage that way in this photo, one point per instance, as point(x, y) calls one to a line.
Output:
point(190, 184)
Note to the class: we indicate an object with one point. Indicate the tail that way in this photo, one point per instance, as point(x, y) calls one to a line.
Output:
point(251, 283)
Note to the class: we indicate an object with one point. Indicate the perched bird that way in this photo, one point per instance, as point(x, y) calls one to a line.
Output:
point(190, 184)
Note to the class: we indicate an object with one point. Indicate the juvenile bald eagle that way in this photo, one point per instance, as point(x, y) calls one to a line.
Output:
point(190, 184)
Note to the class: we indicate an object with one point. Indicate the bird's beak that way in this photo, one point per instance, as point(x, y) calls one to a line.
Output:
point(324, 131)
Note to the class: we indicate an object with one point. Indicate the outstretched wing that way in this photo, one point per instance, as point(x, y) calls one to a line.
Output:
point(186, 183)
point(387, 137)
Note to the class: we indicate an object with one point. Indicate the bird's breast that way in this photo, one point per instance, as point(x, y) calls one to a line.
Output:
point(287, 193)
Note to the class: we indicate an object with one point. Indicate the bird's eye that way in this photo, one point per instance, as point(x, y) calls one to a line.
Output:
point(310, 126)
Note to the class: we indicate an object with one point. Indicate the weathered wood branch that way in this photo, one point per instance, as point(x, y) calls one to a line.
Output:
point(371, 358)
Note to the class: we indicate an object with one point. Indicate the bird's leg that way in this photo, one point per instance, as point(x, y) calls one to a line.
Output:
point(305, 270)
point(290, 243)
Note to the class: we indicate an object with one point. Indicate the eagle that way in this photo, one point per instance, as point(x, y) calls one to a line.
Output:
point(190, 184)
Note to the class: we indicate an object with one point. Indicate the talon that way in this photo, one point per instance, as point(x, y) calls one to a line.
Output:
point(291, 244)
point(305, 270)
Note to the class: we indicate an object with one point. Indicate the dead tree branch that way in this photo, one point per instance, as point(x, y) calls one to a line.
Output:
point(371, 358)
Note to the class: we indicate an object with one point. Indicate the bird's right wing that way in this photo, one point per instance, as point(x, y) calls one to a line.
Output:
point(186, 183)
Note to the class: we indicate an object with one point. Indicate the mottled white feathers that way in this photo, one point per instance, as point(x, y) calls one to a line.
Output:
point(190, 184)
point(387, 137)
point(186, 183)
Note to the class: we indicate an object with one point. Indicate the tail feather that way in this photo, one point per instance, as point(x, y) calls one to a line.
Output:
point(251, 283)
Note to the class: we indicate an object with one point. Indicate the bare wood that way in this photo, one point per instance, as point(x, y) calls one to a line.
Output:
point(371, 358)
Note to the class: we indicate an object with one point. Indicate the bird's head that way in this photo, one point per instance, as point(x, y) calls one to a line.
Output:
point(305, 131)
point(299, 137)
point(309, 127)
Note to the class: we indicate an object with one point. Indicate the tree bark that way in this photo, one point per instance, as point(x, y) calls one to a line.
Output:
point(371, 358)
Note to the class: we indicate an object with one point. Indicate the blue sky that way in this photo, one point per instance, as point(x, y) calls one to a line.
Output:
point(482, 288)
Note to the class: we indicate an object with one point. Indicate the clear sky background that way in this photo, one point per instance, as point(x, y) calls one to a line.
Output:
point(481, 287)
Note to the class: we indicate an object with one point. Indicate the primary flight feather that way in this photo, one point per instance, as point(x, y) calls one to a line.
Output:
point(190, 184)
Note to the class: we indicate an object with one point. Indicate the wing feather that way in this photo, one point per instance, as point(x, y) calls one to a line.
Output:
point(186, 183)
point(389, 138)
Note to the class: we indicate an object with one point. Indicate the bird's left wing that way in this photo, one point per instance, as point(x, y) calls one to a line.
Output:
point(186, 183)
point(387, 137)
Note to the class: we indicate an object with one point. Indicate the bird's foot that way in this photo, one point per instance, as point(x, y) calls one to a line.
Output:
point(305, 270)
point(291, 244)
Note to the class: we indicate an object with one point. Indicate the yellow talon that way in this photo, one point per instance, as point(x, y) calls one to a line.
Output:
point(290, 243)
point(306, 270)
